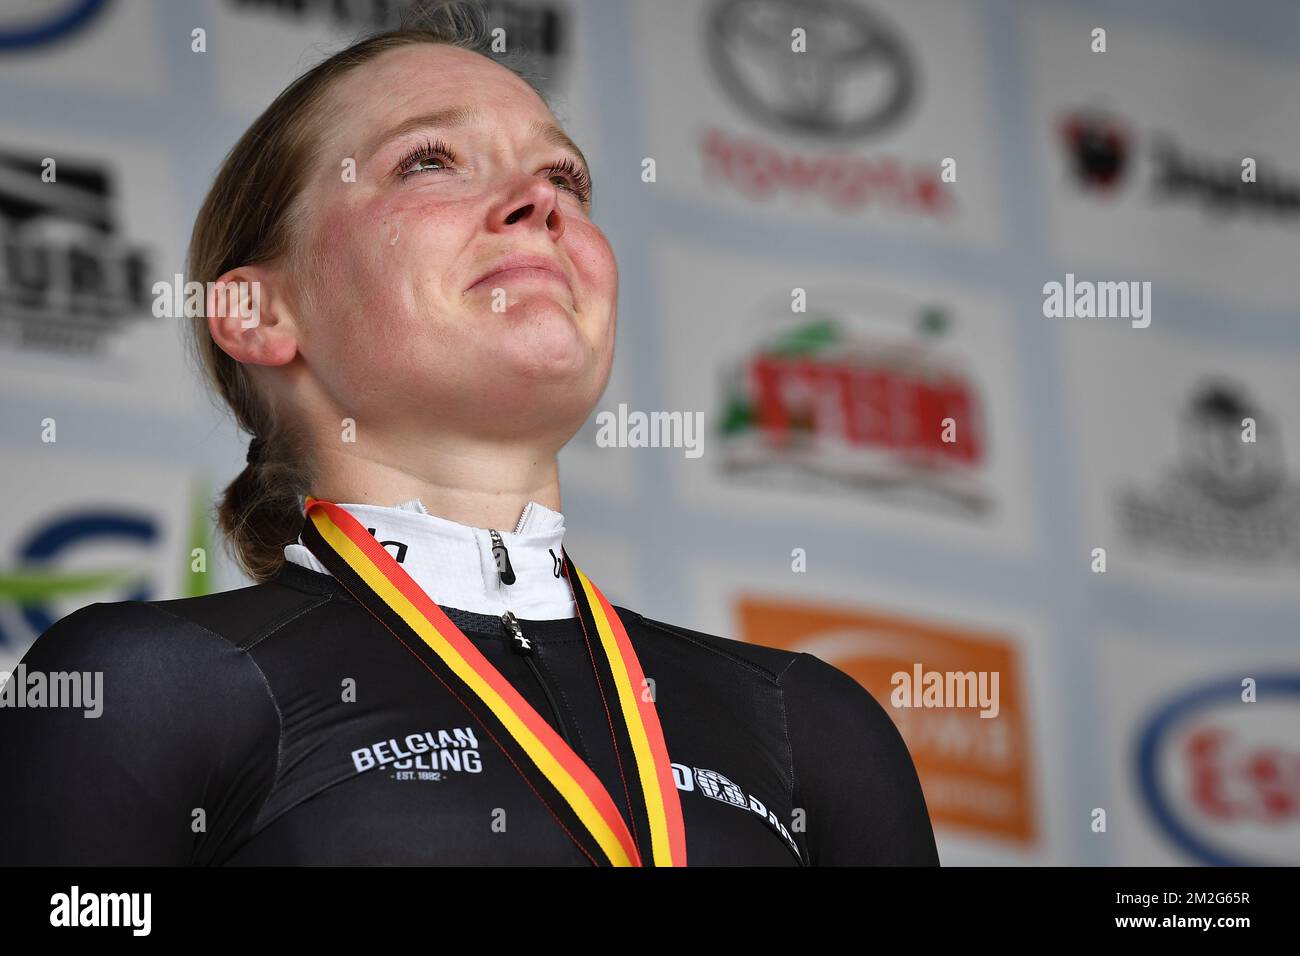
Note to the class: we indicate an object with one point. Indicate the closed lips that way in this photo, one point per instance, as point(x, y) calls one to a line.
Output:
point(524, 262)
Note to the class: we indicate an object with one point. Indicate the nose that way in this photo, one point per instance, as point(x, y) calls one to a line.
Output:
point(536, 204)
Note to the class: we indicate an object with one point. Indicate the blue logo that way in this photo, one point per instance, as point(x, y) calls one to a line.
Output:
point(1216, 790)
point(37, 24)
point(38, 582)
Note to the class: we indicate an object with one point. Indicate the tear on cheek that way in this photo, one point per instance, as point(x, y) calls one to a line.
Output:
point(386, 224)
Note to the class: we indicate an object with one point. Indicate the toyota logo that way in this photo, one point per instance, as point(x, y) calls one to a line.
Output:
point(855, 79)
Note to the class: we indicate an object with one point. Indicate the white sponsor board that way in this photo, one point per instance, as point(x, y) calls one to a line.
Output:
point(82, 45)
point(79, 289)
point(853, 129)
point(1143, 145)
point(1198, 776)
point(839, 411)
point(80, 530)
point(1172, 490)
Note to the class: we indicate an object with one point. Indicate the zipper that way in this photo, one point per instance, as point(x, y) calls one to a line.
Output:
point(523, 517)
point(523, 646)
point(502, 558)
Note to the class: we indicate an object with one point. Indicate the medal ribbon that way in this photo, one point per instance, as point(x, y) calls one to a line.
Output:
point(559, 777)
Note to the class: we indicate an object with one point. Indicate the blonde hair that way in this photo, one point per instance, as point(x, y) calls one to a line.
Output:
point(252, 214)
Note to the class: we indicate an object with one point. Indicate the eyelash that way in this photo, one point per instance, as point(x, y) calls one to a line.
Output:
point(580, 182)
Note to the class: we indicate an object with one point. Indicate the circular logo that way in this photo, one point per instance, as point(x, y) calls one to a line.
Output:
point(855, 78)
point(1220, 776)
point(29, 23)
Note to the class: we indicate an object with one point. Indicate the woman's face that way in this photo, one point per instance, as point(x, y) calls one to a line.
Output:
point(401, 331)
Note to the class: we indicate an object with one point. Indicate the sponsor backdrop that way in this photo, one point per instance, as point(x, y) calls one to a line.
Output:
point(837, 268)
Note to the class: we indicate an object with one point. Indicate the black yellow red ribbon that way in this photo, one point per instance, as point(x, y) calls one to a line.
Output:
point(563, 781)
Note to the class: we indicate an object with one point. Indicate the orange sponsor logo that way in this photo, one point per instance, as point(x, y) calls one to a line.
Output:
point(976, 772)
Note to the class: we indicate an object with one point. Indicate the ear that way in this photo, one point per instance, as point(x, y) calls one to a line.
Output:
point(250, 317)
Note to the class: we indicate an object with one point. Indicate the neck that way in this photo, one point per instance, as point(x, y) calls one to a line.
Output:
point(482, 486)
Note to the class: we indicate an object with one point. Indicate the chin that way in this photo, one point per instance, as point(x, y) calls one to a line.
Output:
point(542, 355)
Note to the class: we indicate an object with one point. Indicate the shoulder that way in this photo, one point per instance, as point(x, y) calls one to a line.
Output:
point(829, 709)
point(137, 652)
point(189, 687)
point(146, 635)
point(110, 634)
point(828, 692)
point(839, 727)
point(767, 662)
point(806, 677)
point(853, 772)
point(146, 669)
point(819, 691)
point(159, 713)
point(244, 616)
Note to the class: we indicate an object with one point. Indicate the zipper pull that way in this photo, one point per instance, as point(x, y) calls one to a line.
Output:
point(502, 558)
point(521, 644)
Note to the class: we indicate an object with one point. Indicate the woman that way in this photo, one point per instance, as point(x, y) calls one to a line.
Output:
point(422, 675)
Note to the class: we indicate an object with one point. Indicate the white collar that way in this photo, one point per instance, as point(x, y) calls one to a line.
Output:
point(454, 563)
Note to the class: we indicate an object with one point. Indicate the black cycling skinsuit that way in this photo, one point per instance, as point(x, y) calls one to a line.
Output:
point(294, 729)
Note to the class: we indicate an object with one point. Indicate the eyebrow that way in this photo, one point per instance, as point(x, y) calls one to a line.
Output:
point(453, 116)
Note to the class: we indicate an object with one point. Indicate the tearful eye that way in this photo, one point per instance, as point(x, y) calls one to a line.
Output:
point(419, 164)
point(413, 162)
point(434, 156)
point(573, 178)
